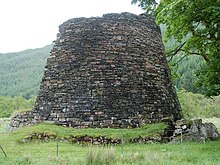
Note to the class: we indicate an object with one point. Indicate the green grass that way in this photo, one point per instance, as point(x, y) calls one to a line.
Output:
point(61, 132)
point(38, 153)
point(45, 153)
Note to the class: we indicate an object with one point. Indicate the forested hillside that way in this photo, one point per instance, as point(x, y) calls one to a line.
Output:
point(184, 73)
point(21, 72)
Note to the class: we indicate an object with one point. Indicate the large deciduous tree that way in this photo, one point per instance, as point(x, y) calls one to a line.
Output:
point(195, 25)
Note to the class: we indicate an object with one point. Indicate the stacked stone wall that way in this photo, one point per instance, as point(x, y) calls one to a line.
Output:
point(108, 71)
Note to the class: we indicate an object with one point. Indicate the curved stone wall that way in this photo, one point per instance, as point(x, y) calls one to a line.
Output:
point(108, 71)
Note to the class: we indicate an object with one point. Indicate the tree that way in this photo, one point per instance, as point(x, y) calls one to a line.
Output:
point(195, 25)
point(9, 105)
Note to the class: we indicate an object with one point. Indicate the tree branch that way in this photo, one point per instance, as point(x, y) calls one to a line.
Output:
point(205, 56)
point(176, 50)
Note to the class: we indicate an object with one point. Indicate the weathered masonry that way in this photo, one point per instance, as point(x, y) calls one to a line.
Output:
point(108, 71)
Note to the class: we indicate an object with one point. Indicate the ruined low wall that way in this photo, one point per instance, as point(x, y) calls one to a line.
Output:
point(108, 71)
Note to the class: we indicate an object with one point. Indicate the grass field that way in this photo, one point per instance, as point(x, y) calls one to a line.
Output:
point(40, 153)
point(45, 153)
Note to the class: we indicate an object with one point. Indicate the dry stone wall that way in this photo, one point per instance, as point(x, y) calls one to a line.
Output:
point(108, 71)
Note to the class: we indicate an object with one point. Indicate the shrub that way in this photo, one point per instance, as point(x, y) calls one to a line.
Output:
point(9, 105)
point(197, 105)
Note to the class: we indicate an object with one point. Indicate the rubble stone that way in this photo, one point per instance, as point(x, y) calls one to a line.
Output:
point(196, 131)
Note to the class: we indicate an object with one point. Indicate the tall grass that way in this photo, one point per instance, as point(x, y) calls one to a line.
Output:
point(100, 156)
point(135, 154)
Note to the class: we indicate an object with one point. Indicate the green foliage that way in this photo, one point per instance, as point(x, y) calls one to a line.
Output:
point(198, 106)
point(184, 69)
point(6, 106)
point(184, 73)
point(194, 25)
point(9, 105)
point(209, 77)
point(21, 73)
point(148, 5)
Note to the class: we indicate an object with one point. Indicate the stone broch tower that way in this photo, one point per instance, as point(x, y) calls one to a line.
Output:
point(108, 71)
